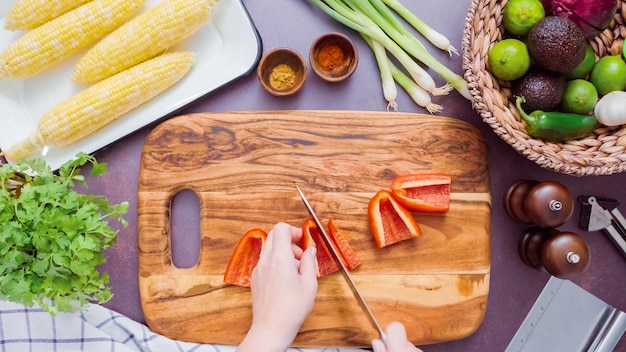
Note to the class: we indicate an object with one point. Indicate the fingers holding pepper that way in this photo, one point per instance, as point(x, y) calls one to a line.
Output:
point(283, 293)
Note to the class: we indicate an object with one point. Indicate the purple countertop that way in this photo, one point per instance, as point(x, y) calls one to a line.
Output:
point(514, 286)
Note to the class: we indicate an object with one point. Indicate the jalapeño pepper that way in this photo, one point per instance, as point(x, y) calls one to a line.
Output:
point(556, 126)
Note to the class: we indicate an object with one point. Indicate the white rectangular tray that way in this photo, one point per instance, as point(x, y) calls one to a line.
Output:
point(227, 47)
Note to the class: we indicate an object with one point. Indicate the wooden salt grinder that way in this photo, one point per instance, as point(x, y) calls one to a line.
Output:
point(562, 254)
point(545, 204)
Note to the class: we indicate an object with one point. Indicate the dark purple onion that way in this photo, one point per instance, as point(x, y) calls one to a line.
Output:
point(547, 6)
point(592, 16)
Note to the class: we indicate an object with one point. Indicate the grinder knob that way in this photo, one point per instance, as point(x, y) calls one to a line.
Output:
point(565, 255)
point(562, 254)
point(546, 204)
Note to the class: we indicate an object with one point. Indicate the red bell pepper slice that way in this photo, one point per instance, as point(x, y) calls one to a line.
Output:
point(348, 256)
point(245, 258)
point(423, 192)
point(390, 222)
point(311, 236)
point(326, 263)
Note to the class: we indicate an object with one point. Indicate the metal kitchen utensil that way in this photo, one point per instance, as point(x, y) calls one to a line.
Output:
point(565, 317)
point(602, 214)
point(344, 270)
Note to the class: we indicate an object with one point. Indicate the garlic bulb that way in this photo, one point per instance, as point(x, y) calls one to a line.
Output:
point(610, 110)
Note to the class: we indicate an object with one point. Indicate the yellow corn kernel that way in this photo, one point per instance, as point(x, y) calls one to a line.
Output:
point(143, 37)
point(100, 104)
point(29, 14)
point(65, 35)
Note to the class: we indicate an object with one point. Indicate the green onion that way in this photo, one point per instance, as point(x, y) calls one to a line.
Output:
point(436, 38)
point(408, 42)
point(390, 90)
point(420, 75)
point(372, 19)
point(391, 74)
point(417, 93)
point(361, 23)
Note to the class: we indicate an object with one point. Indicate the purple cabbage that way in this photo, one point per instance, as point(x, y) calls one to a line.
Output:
point(592, 16)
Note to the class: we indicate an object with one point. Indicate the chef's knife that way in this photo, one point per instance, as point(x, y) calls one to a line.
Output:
point(343, 269)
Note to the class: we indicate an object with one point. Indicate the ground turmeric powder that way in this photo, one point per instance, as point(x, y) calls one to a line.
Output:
point(282, 77)
point(330, 57)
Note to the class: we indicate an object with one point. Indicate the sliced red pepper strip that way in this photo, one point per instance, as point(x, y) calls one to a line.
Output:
point(390, 222)
point(245, 258)
point(348, 255)
point(326, 263)
point(423, 192)
point(311, 236)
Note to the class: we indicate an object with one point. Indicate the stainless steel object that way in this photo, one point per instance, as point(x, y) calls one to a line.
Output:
point(342, 267)
point(565, 317)
point(595, 217)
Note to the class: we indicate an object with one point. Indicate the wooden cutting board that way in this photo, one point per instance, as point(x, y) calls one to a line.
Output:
point(243, 167)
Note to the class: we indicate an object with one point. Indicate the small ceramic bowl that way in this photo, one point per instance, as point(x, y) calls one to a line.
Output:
point(282, 71)
point(333, 57)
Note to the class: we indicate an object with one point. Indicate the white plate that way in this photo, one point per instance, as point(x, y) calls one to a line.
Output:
point(227, 47)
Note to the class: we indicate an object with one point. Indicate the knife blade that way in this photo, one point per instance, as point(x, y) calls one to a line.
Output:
point(344, 271)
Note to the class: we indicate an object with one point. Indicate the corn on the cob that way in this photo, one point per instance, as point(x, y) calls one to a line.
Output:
point(29, 14)
point(102, 103)
point(63, 36)
point(143, 37)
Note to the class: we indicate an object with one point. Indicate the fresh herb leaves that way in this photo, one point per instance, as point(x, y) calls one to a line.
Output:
point(52, 237)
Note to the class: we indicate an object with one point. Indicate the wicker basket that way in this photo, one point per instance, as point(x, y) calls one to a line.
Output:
point(602, 153)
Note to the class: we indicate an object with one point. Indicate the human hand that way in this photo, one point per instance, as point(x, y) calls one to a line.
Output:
point(396, 340)
point(284, 285)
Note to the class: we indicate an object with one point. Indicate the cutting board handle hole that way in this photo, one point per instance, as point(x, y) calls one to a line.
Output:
point(185, 229)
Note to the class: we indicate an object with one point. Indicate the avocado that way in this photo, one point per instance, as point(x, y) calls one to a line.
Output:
point(542, 89)
point(556, 43)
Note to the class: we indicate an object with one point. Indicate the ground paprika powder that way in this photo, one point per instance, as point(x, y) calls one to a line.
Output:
point(330, 57)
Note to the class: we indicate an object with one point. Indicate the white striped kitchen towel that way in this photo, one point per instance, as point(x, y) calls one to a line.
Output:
point(24, 329)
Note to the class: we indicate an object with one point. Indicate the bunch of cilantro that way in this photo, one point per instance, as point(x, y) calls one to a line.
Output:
point(52, 237)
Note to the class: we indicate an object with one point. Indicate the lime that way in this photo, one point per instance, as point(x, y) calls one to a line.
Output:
point(580, 97)
point(584, 68)
point(508, 59)
point(519, 16)
point(609, 74)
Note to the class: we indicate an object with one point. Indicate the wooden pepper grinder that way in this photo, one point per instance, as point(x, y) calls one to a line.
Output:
point(545, 204)
point(562, 254)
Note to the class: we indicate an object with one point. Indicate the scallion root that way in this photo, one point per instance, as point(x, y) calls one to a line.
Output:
point(443, 90)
